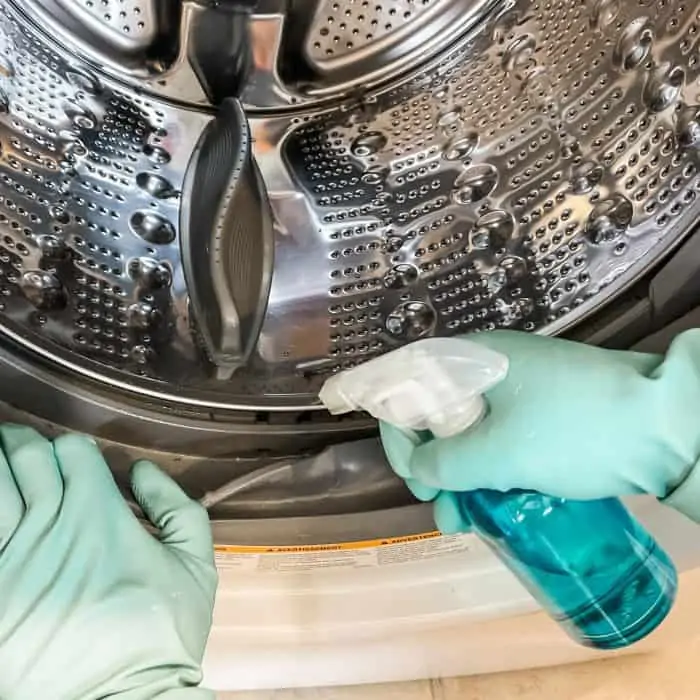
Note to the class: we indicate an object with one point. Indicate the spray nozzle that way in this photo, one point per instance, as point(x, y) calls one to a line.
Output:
point(434, 384)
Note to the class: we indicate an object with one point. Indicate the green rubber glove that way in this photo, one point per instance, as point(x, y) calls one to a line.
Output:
point(573, 421)
point(94, 606)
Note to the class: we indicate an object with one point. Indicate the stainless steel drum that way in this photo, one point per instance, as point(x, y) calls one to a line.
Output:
point(407, 168)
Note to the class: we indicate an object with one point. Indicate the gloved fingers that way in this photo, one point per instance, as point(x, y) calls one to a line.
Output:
point(182, 522)
point(87, 477)
point(398, 447)
point(36, 477)
point(11, 503)
point(448, 516)
point(477, 459)
point(451, 464)
point(421, 491)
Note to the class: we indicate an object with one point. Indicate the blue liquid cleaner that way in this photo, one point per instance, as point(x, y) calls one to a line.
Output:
point(590, 564)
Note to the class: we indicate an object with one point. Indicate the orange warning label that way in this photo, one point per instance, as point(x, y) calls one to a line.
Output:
point(314, 548)
point(341, 556)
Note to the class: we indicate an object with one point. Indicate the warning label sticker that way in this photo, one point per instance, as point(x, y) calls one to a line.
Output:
point(342, 555)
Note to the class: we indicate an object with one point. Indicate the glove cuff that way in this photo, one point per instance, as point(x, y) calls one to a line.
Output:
point(685, 498)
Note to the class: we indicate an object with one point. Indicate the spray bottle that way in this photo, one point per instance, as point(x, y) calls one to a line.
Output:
point(590, 564)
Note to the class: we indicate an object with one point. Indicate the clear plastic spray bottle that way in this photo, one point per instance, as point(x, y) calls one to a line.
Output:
point(590, 564)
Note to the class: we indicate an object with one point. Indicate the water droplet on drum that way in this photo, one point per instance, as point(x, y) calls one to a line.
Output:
point(585, 176)
point(448, 120)
point(688, 127)
point(609, 219)
point(368, 144)
point(515, 267)
point(143, 315)
point(493, 230)
point(44, 290)
point(155, 185)
point(475, 183)
point(411, 320)
point(461, 148)
point(375, 175)
point(152, 227)
point(52, 247)
point(157, 154)
point(634, 44)
point(664, 86)
point(83, 80)
point(150, 273)
point(59, 214)
point(401, 276)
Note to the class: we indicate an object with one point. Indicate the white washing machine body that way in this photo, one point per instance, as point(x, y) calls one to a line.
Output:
point(397, 609)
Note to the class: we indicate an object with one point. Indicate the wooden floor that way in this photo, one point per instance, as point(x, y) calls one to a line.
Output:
point(673, 674)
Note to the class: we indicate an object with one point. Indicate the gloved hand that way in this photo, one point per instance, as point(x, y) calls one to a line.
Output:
point(92, 605)
point(572, 421)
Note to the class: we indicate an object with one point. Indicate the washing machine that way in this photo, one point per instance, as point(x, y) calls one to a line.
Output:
point(207, 207)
